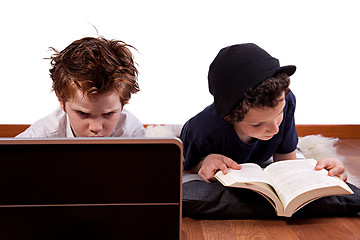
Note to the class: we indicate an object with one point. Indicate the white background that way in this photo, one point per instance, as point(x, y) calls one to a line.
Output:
point(177, 40)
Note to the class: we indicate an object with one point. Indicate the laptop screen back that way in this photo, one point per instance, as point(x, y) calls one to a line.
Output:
point(102, 188)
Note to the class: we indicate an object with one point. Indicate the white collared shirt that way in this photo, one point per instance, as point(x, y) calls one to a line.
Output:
point(57, 125)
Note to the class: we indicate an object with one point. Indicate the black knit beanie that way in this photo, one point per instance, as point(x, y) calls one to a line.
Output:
point(236, 69)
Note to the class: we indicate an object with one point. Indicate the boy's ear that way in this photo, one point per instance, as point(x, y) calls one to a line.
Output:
point(62, 105)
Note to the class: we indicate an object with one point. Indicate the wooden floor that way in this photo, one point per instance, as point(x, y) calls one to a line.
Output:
point(307, 229)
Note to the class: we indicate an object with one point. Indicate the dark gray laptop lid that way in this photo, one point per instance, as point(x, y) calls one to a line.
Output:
point(108, 181)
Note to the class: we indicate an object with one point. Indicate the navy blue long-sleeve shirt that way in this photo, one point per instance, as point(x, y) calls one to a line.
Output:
point(208, 133)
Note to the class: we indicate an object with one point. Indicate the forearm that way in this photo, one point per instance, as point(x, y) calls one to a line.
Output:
point(286, 156)
point(196, 168)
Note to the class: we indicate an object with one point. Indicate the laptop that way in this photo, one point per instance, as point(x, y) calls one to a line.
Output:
point(90, 188)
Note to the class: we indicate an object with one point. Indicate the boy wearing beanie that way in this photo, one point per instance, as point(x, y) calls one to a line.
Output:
point(251, 118)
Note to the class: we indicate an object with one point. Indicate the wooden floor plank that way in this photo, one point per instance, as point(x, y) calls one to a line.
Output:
point(217, 230)
point(323, 228)
point(353, 224)
point(276, 229)
point(353, 170)
point(262, 229)
point(192, 229)
point(246, 229)
point(340, 131)
point(348, 147)
point(350, 150)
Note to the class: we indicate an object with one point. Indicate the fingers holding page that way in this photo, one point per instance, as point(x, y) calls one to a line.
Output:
point(334, 166)
point(214, 162)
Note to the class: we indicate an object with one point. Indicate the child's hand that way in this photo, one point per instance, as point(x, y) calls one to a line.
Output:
point(214, 162)
point(334, 166)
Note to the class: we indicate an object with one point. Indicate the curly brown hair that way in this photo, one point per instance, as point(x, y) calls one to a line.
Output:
point(266, 94)
point(95, 66)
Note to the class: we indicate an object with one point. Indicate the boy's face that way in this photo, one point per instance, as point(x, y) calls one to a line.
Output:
point(261, 123)
point(94, 116)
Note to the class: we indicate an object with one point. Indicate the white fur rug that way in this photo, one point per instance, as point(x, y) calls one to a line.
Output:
point(164, 130)
point(318, 147)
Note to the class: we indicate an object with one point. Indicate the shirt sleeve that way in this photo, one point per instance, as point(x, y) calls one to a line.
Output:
point(191, 149)
point(290, 138)
point(129, 126)
point(50, 126)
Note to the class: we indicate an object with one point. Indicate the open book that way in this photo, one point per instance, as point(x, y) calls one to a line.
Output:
point(288, 185)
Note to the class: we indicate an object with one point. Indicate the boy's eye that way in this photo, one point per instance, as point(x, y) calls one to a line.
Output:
point(108, 114)
point(83, 114)
point(256, 125)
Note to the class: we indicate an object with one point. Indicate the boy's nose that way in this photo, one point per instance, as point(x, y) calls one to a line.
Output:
point(273, 128)
point(95, 126)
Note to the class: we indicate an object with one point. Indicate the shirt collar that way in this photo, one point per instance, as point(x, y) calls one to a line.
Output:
point(68, 132)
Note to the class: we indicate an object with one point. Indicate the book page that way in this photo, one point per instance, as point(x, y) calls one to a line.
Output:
point(249, 172)
point(251, 176)
point(294, 177)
